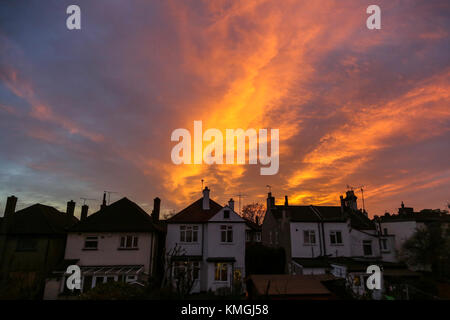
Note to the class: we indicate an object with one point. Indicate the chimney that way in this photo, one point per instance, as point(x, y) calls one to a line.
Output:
point(342, 204)
point(10, 207)
point(231, 204)
point(156, 208)
point(286, 203)
point(84, 212)
point(103, 206)
point(70, 207)
point(270, 201)
point(350, 200)
point(206, 198)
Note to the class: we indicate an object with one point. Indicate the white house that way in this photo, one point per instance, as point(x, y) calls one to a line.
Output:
point(313, 234)
point(209, 241)
point(118, 243)
point(398, 228)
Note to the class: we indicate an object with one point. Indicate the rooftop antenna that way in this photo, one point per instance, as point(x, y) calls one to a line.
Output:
point(240, 195)
point(109, 195)
point(202, 184)
point(87, 199)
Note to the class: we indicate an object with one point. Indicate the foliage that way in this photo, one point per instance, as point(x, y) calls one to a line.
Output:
point(429, 247)
point(254, 211)
point(115, 291)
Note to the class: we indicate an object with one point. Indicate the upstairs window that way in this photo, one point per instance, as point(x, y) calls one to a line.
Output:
point(128, 242)
point(367, 247)
point(248, 236)
point(188, 233)
point(258, 236)
point(309, 237)
point(385, 231)
point(336, 237)
point(226, 214)
point(226, 233)
point(91, 243)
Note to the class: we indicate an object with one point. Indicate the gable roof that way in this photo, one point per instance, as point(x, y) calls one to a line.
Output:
point(194, 213)
point(121, 216)
point(38, 219)
point(311, 213)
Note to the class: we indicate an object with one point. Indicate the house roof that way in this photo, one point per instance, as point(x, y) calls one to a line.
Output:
point(194, 213)
point(121, 216)
point(417, 216)
point(38, 219)
point(311, 213)
point(284, 284)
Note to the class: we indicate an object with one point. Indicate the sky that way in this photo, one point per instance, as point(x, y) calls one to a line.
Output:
point(84, 111)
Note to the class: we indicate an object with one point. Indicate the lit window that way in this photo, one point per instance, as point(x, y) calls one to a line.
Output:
point(221, 272)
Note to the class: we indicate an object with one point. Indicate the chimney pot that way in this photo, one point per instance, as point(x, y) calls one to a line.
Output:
point(156, 209)
point(205, 199)
point(70, 208)
point(10, 207)
point(84, 212)
point(286, 203)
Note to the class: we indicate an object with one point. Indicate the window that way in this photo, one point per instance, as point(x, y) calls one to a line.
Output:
point(226, 214)
point(226, 233)
point(188, 233)
point(384, 245)
point(258, 236)
point(385, 230)
point(248, 236)
point(26, 244)
point(91, 243)
point(128, 242)
point(336, 237)
point(129, 278)
point(309, 237)
point(221, 272)
point(367, 247)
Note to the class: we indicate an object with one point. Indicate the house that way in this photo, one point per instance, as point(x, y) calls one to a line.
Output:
point(252, 231)
point(289, 287)
point(308, 232)
point(206, 243)
point(120, 242)
point(32, 243)
point(401, 226)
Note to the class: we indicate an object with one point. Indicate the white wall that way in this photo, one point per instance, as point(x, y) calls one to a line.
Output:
point(107, 252)
point(356, 239)
point(402, 230)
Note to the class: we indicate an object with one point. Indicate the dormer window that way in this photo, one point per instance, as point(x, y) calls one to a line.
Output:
point(226, 214)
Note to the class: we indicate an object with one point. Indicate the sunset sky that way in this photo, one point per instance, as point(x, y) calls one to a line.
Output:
point(90, 110)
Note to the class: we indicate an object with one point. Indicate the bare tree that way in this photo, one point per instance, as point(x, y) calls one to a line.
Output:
point(254, 212)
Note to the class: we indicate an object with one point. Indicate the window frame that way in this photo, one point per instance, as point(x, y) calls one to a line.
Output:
point(226, 232)
point(188, 232)
point(93, 239)
point(334, 233)
point(366, 244)
point(129, 242)
point(221, 269)
point(311, 235)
